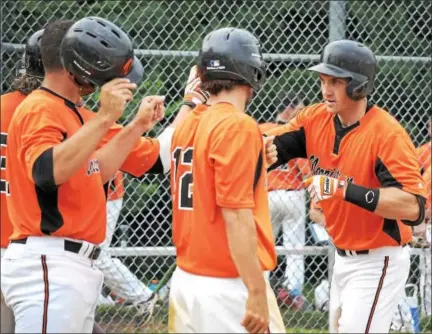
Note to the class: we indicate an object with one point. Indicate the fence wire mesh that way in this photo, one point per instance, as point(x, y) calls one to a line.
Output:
point(167, 36)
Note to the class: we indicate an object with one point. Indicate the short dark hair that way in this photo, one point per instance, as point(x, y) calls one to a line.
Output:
point(215, 87)
point(50, 44)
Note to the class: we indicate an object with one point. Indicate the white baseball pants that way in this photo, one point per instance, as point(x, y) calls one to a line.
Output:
point(366, 290)
point(202, 304)
point(6, 316)
point(50, 290)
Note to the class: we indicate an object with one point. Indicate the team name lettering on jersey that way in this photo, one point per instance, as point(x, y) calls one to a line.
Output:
point(317, 170)
point(93, 167)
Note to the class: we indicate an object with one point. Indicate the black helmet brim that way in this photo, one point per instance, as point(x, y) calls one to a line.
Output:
point(137, 71)
point(331, 70)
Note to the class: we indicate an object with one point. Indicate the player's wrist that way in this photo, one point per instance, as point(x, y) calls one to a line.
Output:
point(341, 187)
point(195, 97)
point(366, 198)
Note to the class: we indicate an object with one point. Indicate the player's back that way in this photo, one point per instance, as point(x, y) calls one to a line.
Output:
point(205, 177)
point(9, 102)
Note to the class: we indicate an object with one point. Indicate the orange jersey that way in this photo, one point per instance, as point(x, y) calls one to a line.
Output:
point(115, 187)
point(218, 162)
point(289, 176)
point(77, 208)
point(9, 102)
point(374, 152)
point(424, 156)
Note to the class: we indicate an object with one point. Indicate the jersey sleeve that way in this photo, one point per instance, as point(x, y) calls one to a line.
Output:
point(143, 158)
point(237, 154)
point(39, 131)
point(290, 139)
point(397, 165)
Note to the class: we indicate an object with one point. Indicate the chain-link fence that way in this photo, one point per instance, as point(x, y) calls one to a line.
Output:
point(167, 36)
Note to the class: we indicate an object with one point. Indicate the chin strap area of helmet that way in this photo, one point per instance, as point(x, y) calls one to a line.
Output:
point(86, 88)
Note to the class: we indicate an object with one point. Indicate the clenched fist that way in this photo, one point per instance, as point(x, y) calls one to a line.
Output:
point(270, 150)
point(150, 112)
point(256, 319)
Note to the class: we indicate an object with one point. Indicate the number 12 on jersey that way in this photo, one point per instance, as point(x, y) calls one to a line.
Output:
point(184, 195)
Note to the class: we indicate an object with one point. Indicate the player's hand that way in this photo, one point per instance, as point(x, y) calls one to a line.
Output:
point(150, 112)
point(256, 319)
point(194, 95)
point(271, 151)
point(317, 216)
point(113, 98)
point(323, 187)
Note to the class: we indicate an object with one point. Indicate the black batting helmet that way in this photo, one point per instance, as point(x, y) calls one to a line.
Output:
point(232, 54)
point(31, 63)
point(96, 51)
point(351, 60)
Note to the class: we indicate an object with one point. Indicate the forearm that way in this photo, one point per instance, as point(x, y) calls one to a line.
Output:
point(390, 203)
point(113, 154)
point(242, 240)
point(71, 154)
point(395, 203)
point(181, 115)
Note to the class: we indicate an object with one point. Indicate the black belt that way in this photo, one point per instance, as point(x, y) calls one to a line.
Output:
point(70, 246)
point(343, 252)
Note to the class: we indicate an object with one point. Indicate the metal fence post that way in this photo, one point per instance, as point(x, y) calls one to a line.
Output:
point(337, 20)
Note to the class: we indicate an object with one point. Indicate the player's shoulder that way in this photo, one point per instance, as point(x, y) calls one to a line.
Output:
point(384, 121)
point(11, 100)
point(224, 117)
point(35, 100)
point(314, 112)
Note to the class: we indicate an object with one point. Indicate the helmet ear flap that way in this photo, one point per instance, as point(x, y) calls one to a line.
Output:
point(357, 92)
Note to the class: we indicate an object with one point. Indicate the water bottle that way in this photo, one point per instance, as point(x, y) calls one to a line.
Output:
point(153, 284)
point(412, 301)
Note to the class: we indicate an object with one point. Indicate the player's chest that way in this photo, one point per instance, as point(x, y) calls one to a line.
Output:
point(350, 153)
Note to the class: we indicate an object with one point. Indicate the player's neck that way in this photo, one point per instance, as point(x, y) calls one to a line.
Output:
point(234, 98)
point(59, 83)
point(353, 113)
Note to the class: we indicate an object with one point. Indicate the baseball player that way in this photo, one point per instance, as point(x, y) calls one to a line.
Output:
point(221, 224)
point(31, 73)
point(367, 181)
point(287, 207)
point(59, 156)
